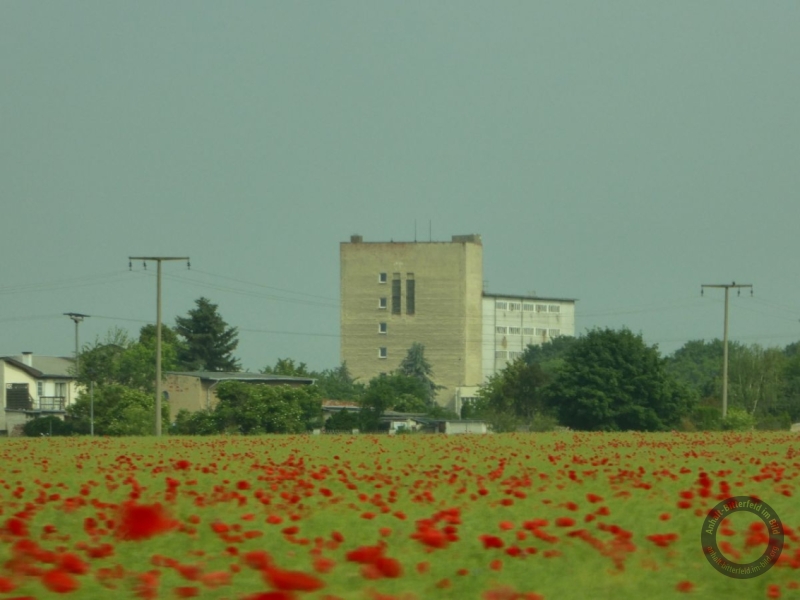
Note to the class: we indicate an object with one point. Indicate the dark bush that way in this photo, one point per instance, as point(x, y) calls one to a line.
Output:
point(46, 426)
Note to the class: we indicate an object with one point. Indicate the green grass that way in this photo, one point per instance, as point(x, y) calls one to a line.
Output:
point(638, 477)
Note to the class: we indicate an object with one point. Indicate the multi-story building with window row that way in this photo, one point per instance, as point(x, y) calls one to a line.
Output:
point(396, 293)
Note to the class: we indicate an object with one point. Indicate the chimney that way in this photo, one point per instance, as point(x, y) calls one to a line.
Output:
point(356, 239)
point(27, 358)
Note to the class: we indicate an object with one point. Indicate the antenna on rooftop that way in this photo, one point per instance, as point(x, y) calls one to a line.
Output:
point(415, 230)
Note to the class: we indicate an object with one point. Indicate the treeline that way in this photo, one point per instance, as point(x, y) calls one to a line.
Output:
point(604, 380)
point(610, 380)
point(116, 376)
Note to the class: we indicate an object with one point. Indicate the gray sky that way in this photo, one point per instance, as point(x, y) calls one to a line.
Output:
point(621, 153)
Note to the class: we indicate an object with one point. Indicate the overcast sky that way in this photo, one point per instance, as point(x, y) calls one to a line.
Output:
point(620, 153)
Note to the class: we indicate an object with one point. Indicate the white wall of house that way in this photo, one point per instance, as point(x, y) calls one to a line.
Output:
point(511, 323)
point(457, 427)
point(41, 390)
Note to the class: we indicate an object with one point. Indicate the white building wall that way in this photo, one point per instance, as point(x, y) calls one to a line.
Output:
point(511, 323)
point(10, 374)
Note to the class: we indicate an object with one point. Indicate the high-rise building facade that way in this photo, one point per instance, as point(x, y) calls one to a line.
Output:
point(394, 294)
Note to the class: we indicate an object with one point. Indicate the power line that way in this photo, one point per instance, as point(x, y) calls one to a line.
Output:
point(269, 287)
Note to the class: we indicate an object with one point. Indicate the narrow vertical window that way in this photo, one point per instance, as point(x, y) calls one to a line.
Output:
point(410, 291)
point(382, 328)
point(396, 294)
point(381, 277)
point(382, 352)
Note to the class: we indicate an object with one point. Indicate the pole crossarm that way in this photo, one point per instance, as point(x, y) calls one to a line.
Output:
point(77, 318)
point(154, 258)
point(158, 260)
point(727, 287)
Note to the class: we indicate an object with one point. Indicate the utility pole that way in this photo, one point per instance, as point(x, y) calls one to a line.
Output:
point(77, 317)
point(159, 260)
point(727, 287)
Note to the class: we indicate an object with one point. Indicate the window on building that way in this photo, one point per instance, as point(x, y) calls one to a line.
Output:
point(527, 307)
point(500, 354)
point(502, 330)
point(540, 331)
point(381, 302)
point(514, 330)
point(382, 328)
point(501, 305)
point(541, 308)
point(61, 389)
point(555, 332)
point(40, 388)
point(382, 352)
point(514, 355)
point(411, 290)
point(555, 308)
point(396, 294)
point(382, 277)
point(514, 306)
point(527, 330)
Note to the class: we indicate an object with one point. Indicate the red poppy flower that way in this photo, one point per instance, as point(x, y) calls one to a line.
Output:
point(282, 579)
point(60, 581)
point(142, 521)
point(565, 522)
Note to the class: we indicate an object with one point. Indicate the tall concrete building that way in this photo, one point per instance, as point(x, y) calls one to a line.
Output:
point(396, 293)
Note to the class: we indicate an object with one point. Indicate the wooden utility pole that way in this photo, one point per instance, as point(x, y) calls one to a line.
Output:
point(159, 260)
point(727, 287)
point(77, 317)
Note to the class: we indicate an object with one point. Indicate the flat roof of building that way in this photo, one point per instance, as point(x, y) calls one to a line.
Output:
point(523, 297)
point(234, 376)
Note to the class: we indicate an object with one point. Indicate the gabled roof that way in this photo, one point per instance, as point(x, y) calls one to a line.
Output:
point(44, 367)
point(233, 376)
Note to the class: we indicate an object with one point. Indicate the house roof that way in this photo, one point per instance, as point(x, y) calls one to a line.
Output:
point(340, 404)
point(44, 367)
point(233, 376)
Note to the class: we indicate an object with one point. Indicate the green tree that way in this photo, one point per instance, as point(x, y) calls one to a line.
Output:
point(343, 420)
point(119, 360)
point(209, 341)
point(517, 390)
point(755, 378)
point(339, 384)
point(612, 380)
point(790, 397)
point(698, 365)
point(417, 366)
point(118, 410)
point(384, 392)
point(288, 368)
point(549, 355)
point(201, 422)
point(46, 426)
point(252, 409)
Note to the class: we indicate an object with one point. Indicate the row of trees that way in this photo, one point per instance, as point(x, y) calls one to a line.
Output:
point(117, 373)
point(604, 380)
point(611, 380)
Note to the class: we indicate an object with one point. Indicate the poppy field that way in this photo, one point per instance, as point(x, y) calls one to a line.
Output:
point(494, 517)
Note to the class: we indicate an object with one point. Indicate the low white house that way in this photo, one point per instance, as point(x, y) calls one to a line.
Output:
point(34, 386)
